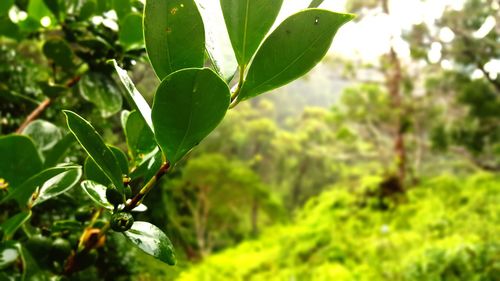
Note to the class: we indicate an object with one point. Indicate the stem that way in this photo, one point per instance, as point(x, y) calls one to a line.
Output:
point(234, 95)
point(34, 114)
point(145, 190)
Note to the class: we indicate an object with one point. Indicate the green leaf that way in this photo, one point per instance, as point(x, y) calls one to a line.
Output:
point(248, 22)
point(102, 91)
point(93, 172)
point(13, 223)
point(307, 36)
point(58, 185)
point(188, 105)
point(92, 142)
point(58, 51)
point(20, 159)
point(54, 155)
point(150, 164)
point(174, 35)
point(24, 192)
point(152, 241)
point(5, 6)
point(8, 254)
point(121, 157)
point(217, 43)
point(130, 33)
point(44, 134)
point(122, 8)
point(136, 100)
point(140, 139)
point(96, 192)
point(316, 3)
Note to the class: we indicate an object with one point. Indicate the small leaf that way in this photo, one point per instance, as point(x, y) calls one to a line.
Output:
point(150, 164)
point(93, 172)
point(140, 139)
point(136, 100)
point(8, 254)
point(248, 22)
point(102, 91)
point(152, 241)
point(58, 51)
point(24, 192)
point(130, 33)
point(44, 134)
point(174, 35)
point(218, 44)
point(20, 159)
point(316, 3)
point(295, 47)
point(188, 105)
point(121, 157)
point(92, 142)
point(58, 185)
point(96, 192)
point(13, 223)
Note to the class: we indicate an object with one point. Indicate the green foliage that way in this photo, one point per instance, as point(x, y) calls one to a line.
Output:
point(445, 231)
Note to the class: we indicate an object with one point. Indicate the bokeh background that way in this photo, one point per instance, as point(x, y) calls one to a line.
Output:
point(382, 163)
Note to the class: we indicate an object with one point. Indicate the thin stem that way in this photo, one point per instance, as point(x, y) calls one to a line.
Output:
point(146, 188)
point(234, 95)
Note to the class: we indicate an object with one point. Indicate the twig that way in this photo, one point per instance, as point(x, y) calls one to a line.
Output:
point(34, 114)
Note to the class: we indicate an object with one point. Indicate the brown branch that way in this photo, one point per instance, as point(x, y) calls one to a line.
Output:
point(34, 114)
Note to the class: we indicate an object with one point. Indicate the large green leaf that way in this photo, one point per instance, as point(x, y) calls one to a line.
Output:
point(93, 172)
point(20, 159)
point(152, 241)
point(54, 155)
point(44, 134)
point(188, 105)
point(135, 98)
point(58, 185)
point(92, 142)
point(102, 91)
point(217, 43)
point(140, 139)
point(174, 35)
point(24, 192)
point(248, 22)
point(294, 48)
point(96, 192)
point(58, 51)
point(13, 223)
point(122, 8)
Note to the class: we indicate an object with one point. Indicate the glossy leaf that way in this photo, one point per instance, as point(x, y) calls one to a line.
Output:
point(188, 105)
point(217, 43)
point(121, 157)
point(140, 139)
point(136, 99)
point(13, 223)
point(148, 167)
point(152, 241)
point(248, 22)
point(174, 35)
point(20, 159)
point(130, 33)
point(96, 192)
point(8, 255)
point(58, 51)
point(44, 134)
point(93, 172)
point(24, 192)
point(102, 91)
point(307, 36)
point(92, 142)
point(58, 185)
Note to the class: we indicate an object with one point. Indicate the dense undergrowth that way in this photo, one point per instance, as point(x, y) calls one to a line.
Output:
point(447, 229)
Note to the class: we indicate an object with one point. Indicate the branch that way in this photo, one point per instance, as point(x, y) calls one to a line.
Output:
point(34, 114)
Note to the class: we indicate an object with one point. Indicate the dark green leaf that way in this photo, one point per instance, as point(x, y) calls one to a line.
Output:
point(150, 164)
point(248, 22)
point(58, 51)
point(136, 99)
point(121, 157)
point(13, 223)
point(24, 192)
point(58, 185)
point(96, 192)
point(54, 155)
point(152, 241)
point(307, 36)
point(92, 142)
point(188, 105)
point(102, 91)
point(5, 6)
point(20, 159)
point(140, 139)
point(174, 35)
point(130, 33)
point(93, 172)
point(122, 8)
